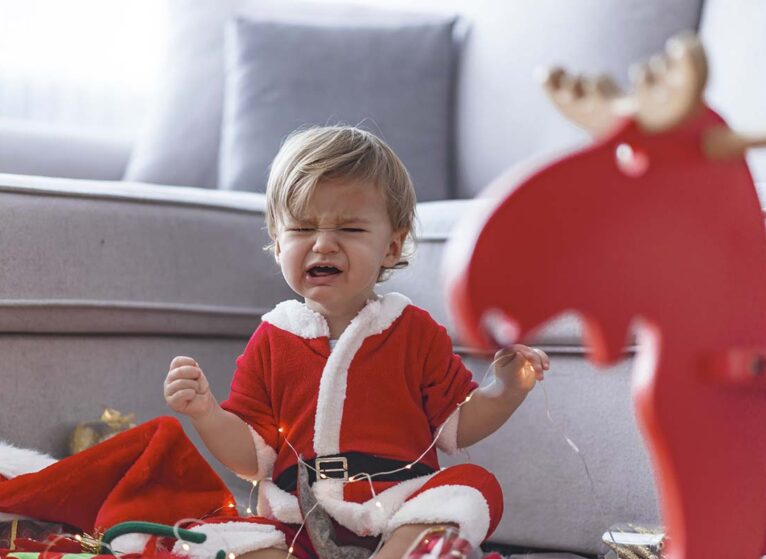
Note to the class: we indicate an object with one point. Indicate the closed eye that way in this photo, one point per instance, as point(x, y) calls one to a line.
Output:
point(301, 229)
point(352, 230)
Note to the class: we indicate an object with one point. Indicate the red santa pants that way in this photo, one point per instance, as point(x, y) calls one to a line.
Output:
point(461, 475)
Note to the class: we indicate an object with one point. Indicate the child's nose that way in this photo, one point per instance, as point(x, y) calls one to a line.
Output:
point(325, 241)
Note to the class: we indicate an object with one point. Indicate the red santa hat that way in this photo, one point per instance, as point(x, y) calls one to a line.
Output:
point(151, 472)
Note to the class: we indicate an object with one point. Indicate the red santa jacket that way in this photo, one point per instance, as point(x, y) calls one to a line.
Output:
point(388, 385)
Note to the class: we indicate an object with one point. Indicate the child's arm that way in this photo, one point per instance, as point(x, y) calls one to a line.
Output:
point(516, 371)
point(226, 436)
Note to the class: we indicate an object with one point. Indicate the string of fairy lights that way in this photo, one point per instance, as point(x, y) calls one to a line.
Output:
point(362, 476)
point(367, 476)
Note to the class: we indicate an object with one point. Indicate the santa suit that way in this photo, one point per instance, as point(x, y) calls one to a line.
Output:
point(388, 386)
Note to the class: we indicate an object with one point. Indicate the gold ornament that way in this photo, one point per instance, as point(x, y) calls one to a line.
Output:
point(91, 433)
point(90, 543)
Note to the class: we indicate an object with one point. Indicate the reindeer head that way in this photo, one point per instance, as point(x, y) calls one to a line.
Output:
point(609, 231)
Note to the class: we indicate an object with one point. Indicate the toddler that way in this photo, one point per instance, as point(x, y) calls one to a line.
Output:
point(352, 381)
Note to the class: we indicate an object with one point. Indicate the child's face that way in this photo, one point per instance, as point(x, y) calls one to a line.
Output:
point(347, 232)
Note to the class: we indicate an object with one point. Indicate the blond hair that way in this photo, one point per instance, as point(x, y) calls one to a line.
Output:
point(339, 152)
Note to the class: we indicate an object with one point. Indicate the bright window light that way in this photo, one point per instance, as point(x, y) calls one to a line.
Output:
point(55, 54)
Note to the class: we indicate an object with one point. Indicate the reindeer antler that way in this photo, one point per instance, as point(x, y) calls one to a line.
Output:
point(723, 143)
point(596, 104)
point(667, 90)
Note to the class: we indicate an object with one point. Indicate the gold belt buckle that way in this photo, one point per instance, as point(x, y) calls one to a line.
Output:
point(322, 472)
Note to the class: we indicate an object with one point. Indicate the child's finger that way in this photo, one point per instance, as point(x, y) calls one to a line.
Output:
point(544, 356)
point(181, 360)
point(181, 397)
point(186, 371)
point(503, 357)
point(533, 358)
point(202, 384)
point(176, 386)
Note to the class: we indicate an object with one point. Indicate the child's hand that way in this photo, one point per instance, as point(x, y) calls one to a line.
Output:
point(186, 388)
point(519, 367)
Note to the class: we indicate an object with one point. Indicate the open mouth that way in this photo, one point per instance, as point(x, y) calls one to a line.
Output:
point(323, 271)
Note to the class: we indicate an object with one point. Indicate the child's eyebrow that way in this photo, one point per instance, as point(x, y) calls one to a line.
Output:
point(339, 220)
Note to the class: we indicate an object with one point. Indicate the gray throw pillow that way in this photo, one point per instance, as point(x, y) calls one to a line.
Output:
point(394, 79)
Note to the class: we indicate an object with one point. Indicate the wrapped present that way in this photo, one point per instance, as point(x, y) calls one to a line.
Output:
point(18, 529)
point(91, 433)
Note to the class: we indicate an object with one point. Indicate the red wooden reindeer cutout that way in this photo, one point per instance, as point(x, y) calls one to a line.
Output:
point(659, 223)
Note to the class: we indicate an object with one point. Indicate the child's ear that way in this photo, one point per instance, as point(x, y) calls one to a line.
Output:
point(277, 251)
point(395, 247)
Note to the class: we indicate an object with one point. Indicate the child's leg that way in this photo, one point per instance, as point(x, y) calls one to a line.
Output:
point(402, 538)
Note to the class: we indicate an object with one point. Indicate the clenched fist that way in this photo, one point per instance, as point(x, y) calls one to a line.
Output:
point(186, 388)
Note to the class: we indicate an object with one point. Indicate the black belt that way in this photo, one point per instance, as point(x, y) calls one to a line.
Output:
point(349, 464)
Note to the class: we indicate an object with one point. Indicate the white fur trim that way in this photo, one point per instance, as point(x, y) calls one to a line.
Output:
point(458, 504)
point(373, 319)
point(367, 519)
point(265, 455)
point(298, 319)
point(16, 461)
point(362, 518)
point(447, 439)
point(278, 504)
point(129, 543)
point(232, 537)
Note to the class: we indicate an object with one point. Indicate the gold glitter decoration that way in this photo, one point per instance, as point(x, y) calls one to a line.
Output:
point(91, 543)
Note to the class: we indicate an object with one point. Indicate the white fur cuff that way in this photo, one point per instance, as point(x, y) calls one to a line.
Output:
point(458, 504)
point(16, 461)
point(232, 537)
point(265, 455)
point(447, 440)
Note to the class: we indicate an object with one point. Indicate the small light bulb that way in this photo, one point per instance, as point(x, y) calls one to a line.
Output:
point(408, 466)
point(248, 510)
point(379, 504)
point(290, 550)
point(468, 399)
point(185, 546)
point(232, 505)
point(322, 476)
point(78, 537)
point(280, 429)
point(232, 556)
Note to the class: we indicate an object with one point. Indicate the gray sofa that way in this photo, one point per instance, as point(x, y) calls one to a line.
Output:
point(103, 281)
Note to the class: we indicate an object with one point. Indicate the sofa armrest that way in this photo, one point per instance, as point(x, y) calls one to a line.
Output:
point(123, 257)
point(37, 149)
point(102, 283)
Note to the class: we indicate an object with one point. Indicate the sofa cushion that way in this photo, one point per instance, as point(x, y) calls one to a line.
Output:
point(394, 79)
point(736, 48)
